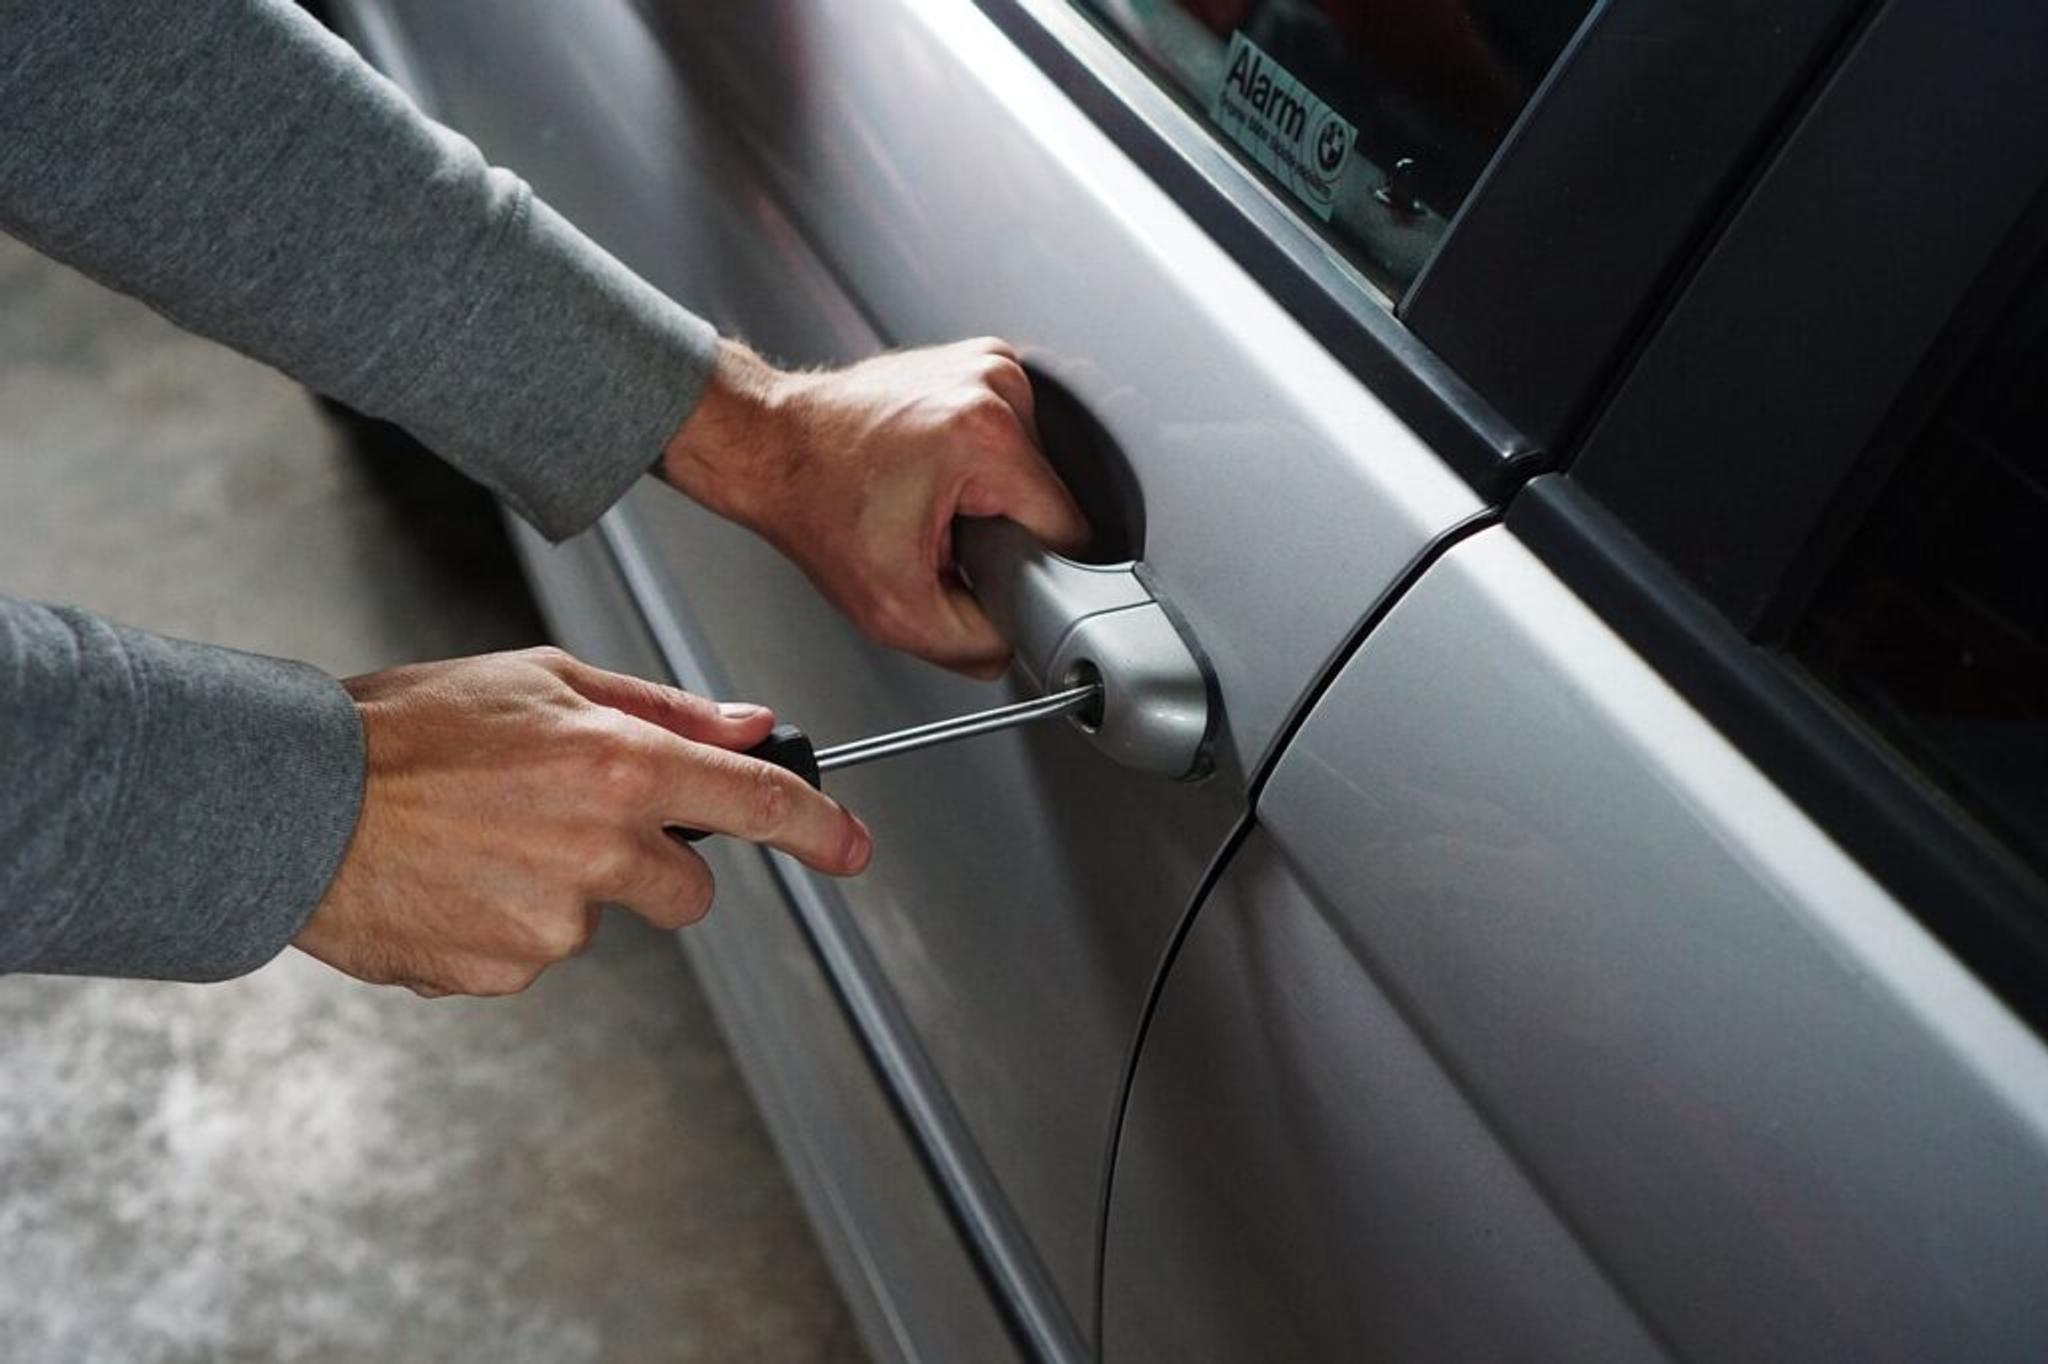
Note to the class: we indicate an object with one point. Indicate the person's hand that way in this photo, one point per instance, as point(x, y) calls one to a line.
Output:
point(510, 795)
point(857, 474)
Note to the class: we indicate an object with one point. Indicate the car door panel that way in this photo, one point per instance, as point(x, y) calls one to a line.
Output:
point(1298, 1174)
point(825, 178)
point(893, 1250)
point(1776, 1111)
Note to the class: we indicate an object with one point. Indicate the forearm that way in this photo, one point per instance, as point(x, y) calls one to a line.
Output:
point(166, 809)
point(243, 172)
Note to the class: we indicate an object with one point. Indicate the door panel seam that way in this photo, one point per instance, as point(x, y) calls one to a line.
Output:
point(1410, 574)
point(1000, 1253)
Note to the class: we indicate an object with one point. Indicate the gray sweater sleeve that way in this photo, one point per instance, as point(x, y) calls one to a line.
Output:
point(176, 811)
point(167, 809)
point(238, 168)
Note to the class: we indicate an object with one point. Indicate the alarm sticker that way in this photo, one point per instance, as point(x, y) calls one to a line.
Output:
point(1299, 140)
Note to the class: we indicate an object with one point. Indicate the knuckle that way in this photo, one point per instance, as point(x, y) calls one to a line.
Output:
point(989, 409)
point(621, 778)
point(563, 938)
point(690, 712)
point(548, 656)
point(769, 799)
point(608, 868)
point(621, 772)
point(684, 704)
point(983, 415)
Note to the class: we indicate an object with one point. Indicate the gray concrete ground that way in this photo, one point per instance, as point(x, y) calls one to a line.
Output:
point(294, 1166)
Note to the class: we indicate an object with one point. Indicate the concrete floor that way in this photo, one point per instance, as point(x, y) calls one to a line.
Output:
point(294, 1166)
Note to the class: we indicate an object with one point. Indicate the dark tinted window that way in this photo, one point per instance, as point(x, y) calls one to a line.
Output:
point(1423, 92)
point(1934, 626)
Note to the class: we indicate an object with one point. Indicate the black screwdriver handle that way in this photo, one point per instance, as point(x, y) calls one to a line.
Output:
point(786, 746)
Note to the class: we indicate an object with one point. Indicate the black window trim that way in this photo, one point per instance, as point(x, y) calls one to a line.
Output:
point(1729, 445)
point(1986, 208)
point(1978, 312)
point(1617, 176)
point(1971, 892)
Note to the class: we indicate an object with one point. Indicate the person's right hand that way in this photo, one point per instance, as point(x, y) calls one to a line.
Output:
point(509, 796)
point(858, 474)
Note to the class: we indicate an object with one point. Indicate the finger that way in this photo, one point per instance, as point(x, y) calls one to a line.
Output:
point(993, 345)
point(1009, 381)
point(956, 633)
point(671, 886)
point(735, 725)
point(730, 793)
point(1032, 495)
point(1019, 484)
point(1012, 478)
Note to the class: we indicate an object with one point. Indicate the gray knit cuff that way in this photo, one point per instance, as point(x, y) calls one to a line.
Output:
point(231, 789)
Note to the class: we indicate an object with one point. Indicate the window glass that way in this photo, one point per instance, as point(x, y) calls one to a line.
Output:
point(1934, 626)
point(1374, 117)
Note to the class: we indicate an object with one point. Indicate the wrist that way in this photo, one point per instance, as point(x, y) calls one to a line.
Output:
point(736, 443)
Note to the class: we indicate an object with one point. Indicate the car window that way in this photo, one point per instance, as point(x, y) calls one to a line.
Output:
point(1373, 117)
point(1934, 624)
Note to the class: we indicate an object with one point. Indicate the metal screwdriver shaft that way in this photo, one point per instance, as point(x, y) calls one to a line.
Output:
point(789, 747)
point(962, 727)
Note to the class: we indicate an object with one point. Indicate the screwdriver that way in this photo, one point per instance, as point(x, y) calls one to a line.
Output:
point(787, 746)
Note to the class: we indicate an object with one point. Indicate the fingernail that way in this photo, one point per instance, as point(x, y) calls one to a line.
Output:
point(740, 710)
point(860, 846)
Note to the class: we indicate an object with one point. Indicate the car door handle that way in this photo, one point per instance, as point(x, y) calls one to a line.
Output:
point(1072, 623)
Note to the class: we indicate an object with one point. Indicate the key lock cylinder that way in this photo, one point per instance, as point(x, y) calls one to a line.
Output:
point(1075, 624)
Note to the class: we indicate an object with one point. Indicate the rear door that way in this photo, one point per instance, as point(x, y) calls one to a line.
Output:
point(1643, 947)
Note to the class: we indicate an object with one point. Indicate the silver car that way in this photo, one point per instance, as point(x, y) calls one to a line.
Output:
point(1558, 871)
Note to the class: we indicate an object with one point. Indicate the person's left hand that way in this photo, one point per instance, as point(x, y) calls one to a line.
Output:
point(857, 474)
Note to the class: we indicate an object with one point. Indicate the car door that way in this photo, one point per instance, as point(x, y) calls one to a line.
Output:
point(827, 179)
point(1260, 368)
point(1642, 948)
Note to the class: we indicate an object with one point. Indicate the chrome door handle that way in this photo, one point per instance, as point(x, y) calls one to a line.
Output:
point(1072, 623)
